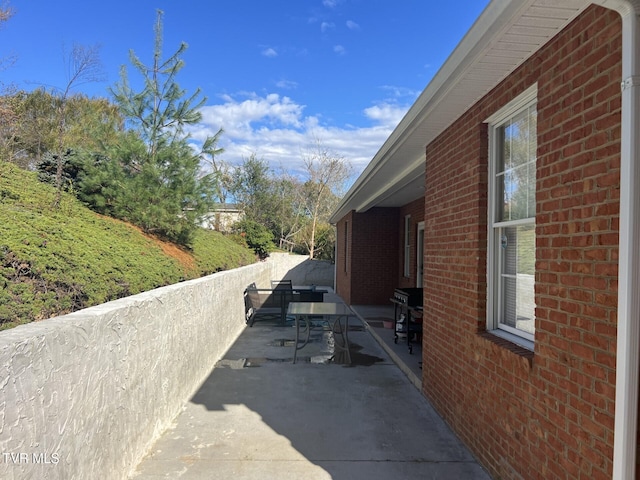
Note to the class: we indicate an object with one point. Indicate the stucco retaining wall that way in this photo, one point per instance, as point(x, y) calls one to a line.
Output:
point(307, 272)
point(84, 395)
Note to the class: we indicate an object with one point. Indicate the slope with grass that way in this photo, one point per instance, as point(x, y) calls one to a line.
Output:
point(54, 261)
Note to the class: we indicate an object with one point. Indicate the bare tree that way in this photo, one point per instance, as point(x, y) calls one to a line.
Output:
point(327, 175)
point(83, 66)
point(221, 170)
point(6, 12)
point(291, 208)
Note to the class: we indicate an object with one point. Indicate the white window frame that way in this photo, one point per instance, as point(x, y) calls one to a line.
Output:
point(420, 255)
point(407, 246)
point(494, 302)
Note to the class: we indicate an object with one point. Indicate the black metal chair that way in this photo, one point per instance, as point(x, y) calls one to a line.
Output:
point(265, 304)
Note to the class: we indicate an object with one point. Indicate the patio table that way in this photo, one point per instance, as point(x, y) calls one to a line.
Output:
point(273, 302)
point(333, 313)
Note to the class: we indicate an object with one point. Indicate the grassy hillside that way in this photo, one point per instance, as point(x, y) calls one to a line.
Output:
point(54, 261)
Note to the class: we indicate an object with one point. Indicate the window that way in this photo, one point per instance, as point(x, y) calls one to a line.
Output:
point(407, 246)
point(512, 210)
point(346, 246)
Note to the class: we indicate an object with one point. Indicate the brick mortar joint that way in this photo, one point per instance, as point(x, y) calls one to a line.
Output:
point(511, 347)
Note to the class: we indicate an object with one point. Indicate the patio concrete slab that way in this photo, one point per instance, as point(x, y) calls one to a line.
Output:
point(410, 363)
point(258, 416)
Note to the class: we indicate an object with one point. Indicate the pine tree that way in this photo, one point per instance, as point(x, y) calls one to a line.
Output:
point(166, 194)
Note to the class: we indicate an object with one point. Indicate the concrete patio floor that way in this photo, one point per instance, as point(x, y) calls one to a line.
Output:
point(258, 416)
point(410, 363)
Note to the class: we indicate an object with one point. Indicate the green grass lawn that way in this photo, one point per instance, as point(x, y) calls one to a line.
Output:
point(55, 261)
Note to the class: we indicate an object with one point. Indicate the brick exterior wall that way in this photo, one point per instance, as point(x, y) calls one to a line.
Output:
point(343, 257)
point(372, 256)
point(547, 414)
point(374, 263)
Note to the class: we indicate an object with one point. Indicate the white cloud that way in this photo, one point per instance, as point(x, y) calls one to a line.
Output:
point(329, 3)
point(386, 113)
point(269, 52)
point(351, 25)
point(324, 26)
point(275, 128)
point(287, 84)
point(237, 117)
point(339, 49)
point(401, 92)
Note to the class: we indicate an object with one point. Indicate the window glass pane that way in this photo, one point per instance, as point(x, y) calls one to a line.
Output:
point(507, 141)
point(516, 167)
point(508, 244)
point(509, 298)
point(503, 211)
point(518, 193)
point(519, 139)
point(501, 166)
point(533, 133)
point(517, 245)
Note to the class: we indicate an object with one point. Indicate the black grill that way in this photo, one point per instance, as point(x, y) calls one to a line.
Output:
point(410, 297)
point(407, 302)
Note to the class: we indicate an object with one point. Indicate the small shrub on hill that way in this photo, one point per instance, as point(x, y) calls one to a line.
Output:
point(258, 237)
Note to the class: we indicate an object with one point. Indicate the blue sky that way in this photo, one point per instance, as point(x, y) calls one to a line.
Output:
point(278, 75)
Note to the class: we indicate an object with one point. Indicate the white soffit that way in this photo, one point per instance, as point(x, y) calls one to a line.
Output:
point(502, 38)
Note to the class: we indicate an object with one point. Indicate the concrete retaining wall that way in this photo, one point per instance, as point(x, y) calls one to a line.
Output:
point(308, 272)
point(84, 395)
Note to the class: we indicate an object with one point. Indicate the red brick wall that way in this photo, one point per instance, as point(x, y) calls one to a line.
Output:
point(546, 414)
point(343, 257)
point(372, 257)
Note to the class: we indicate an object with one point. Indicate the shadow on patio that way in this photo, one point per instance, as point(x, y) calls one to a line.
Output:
point(258, 416)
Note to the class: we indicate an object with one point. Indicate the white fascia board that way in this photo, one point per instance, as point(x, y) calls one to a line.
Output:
point(393, 185)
